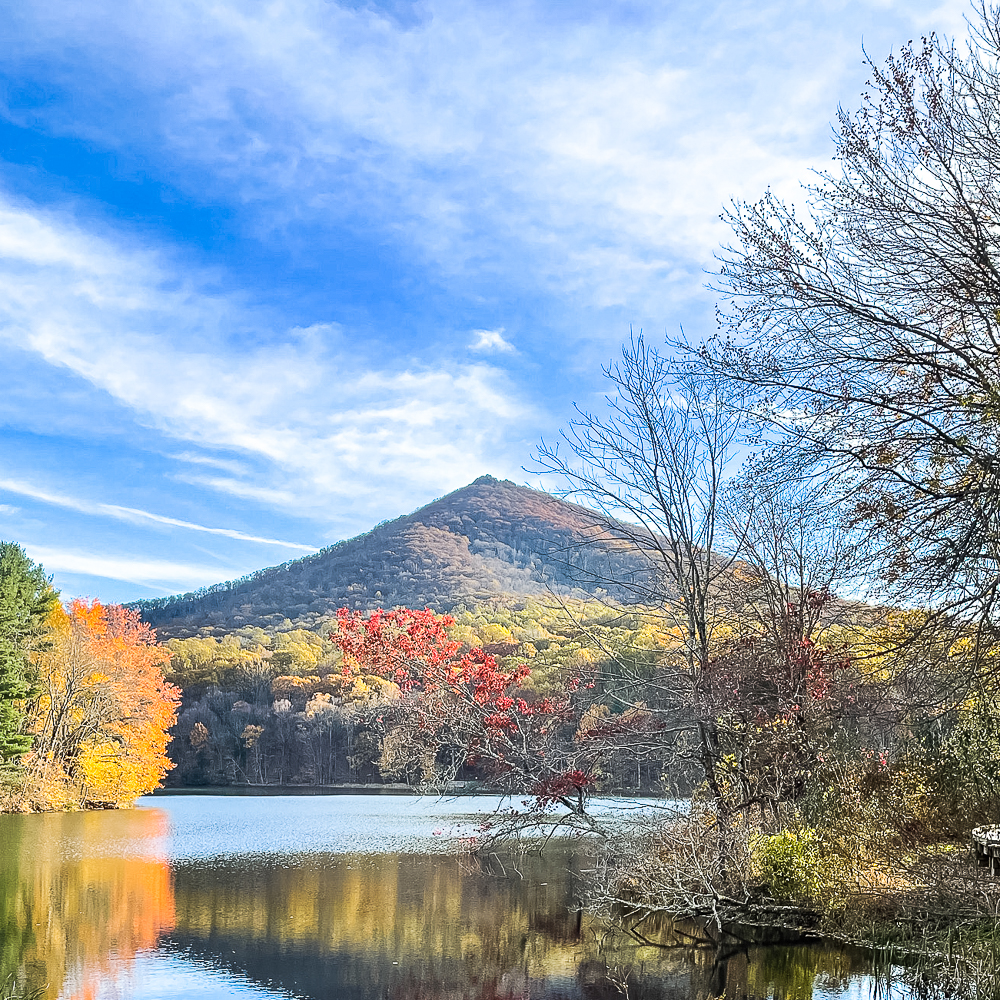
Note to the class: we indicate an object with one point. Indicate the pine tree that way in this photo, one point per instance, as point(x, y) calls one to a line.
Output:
point(26, 598)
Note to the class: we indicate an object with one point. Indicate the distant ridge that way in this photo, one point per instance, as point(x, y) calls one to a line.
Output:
point(490, 541)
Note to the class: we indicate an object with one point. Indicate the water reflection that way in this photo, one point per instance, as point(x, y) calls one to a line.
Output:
point(121, 904)
point(409, 926)
point(357, 925)
point(73, 914)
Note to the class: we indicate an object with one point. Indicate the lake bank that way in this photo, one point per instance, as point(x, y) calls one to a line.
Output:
point(452, 790)
point(344, 789)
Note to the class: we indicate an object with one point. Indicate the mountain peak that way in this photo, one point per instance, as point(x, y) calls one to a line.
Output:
point(471, 546)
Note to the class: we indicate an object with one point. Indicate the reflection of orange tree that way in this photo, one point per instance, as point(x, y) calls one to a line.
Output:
point(101, 718)
point(83, 919)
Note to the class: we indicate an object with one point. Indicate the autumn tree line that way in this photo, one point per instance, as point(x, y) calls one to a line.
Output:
point(301, 706)
point(85, 711)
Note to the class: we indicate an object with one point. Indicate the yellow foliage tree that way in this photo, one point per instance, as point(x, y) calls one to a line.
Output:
point(103, 716)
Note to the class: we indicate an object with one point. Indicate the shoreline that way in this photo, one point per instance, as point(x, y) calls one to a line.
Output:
point(278, 790)
point(453, 789)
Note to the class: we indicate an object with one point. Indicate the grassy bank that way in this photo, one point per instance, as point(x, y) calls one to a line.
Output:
point(927, 910)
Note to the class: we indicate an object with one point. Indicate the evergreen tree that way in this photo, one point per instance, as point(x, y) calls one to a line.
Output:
point(26, 598)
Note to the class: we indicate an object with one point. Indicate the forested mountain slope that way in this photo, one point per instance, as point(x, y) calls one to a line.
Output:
point(489, 541)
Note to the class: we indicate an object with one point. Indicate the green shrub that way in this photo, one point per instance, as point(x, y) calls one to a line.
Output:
point(791, 864)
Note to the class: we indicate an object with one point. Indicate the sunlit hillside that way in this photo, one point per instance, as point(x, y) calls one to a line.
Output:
point(489, 541)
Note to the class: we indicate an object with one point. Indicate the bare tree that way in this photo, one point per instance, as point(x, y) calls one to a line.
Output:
point(741, 572)
point(795, 553)
point(654, 471)
point(865, 332)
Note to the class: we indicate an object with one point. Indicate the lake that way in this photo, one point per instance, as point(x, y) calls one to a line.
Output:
point(346, 896)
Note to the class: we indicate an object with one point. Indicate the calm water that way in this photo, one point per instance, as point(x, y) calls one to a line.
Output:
point(335, 896)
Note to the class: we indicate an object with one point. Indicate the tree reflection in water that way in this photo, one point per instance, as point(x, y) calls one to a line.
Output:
point(417, 926)
point(82, 895)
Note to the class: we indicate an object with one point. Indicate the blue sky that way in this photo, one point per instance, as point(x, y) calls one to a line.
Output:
point(271, 272)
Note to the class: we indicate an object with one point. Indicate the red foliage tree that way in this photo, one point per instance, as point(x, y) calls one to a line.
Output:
point(462, 712)
point(403, 645)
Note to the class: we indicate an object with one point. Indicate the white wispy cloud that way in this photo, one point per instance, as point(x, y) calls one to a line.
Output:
point(490, 340)
point(330, 432)
point(157, 574)
point(226, 464)
point(133, 515)
point(588, 154)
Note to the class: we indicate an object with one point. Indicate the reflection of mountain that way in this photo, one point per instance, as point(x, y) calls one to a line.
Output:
point(71, 914)
point(485, 541)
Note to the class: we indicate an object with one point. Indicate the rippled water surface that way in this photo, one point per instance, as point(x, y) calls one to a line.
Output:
point(337, 896)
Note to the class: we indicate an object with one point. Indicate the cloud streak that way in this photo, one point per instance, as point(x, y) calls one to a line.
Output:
point(133, 515)
point(157, 574)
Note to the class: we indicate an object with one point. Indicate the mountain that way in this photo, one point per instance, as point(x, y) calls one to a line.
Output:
point(491, 541)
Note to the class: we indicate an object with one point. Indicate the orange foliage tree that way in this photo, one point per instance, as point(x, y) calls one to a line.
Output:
point(102, 718)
